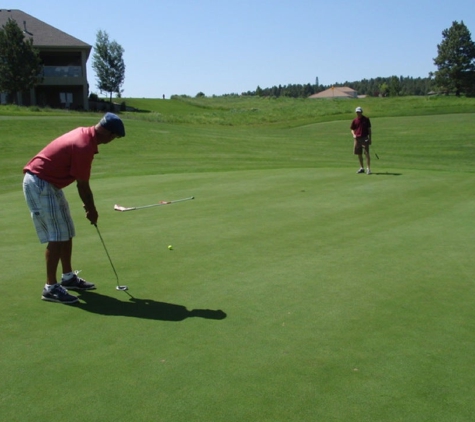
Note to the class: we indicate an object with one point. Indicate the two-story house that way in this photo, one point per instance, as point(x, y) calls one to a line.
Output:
point(64, 59)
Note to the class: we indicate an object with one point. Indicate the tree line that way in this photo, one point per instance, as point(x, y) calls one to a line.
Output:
point(455, 62)
point(21, 69)
point(381, 86)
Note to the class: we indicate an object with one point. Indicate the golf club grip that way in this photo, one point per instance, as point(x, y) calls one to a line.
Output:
point(181, 200)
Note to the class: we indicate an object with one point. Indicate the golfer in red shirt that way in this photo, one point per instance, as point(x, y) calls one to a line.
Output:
point(361, 131)
point(65, 160)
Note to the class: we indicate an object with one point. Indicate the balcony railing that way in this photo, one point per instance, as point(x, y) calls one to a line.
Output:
point(62, 71)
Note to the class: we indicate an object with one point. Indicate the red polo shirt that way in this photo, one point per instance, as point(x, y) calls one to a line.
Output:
point(361, 126)
point(66, 159)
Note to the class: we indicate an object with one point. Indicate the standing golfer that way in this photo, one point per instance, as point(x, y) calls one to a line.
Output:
point(361, 131)
point(63, 161)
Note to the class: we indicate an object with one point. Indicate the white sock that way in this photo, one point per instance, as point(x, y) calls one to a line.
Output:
point(67, 276)
point(48, 287)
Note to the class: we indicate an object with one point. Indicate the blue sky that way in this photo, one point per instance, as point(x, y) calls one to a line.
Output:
point(229, 46)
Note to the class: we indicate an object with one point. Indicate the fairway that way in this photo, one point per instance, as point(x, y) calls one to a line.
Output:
point(296, 290)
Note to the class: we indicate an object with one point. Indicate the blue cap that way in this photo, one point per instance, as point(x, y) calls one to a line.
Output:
point(113, 124)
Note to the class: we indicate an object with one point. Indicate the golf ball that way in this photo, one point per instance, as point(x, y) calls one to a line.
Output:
point(170, 247)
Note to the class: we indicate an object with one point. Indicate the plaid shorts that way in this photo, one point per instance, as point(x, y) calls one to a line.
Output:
point(49, 210)
point(361, 144)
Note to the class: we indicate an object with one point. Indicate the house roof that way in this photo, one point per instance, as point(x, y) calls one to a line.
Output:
point(336, 92)
point(43, 35)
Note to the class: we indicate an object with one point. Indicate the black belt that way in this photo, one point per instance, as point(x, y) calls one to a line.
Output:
point(29, 172)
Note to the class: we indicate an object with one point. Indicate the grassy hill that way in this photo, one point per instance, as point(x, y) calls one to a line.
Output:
point(237, 110)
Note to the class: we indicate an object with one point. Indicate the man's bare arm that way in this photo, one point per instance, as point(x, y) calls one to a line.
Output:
point(85, 193)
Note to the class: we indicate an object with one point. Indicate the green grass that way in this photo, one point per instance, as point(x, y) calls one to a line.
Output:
point(296, 289)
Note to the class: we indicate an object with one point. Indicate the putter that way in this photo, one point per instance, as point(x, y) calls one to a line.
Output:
point(119, 287)
point(377, 156)
point(123, 209)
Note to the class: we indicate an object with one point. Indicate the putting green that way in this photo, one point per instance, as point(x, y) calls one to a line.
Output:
point(290, 294)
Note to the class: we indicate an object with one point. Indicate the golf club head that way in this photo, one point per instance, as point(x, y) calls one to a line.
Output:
point(122, 288)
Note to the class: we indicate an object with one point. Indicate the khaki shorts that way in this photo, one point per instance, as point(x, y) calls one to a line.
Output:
point(49, 210)
point(361, 144)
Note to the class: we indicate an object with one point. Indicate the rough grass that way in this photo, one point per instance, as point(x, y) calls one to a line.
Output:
point(237, 110)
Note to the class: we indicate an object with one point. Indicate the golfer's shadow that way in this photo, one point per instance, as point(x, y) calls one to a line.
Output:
point(386, 174)
point(141, 308)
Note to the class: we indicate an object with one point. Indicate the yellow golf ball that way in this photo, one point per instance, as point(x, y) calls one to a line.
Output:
point(170, 247)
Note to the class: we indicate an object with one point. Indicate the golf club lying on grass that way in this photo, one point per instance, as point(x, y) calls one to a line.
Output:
point(122, 209)
point(110, 260)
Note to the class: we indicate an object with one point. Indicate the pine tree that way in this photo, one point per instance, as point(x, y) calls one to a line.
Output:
point(20, 63)
point(456, 60)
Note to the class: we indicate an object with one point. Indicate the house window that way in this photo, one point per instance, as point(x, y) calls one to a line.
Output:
point(66, 98)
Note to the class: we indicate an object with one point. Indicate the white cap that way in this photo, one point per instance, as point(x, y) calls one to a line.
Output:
point(359, 110)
